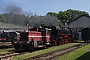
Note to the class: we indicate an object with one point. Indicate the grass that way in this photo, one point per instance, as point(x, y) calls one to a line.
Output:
point(3, 51)
point(79, 54)
point(21, 57)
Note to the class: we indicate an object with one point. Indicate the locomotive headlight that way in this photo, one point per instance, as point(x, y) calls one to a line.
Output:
point(27, 42)
point(15, 42)
point(47, 43)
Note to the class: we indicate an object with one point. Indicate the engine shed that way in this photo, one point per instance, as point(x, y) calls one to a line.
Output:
point(80, 23)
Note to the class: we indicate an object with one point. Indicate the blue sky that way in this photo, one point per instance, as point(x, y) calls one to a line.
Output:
point(41, 7)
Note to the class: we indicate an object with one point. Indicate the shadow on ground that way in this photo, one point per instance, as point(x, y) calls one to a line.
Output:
point(85, 56)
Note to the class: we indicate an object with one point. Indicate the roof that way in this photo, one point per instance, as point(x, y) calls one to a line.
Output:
point(81, 22)
point(10, 26)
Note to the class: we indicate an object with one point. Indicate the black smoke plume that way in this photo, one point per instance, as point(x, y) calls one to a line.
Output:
point(13, 8)
point(45, 20)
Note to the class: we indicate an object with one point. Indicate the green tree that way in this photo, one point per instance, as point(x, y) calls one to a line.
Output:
point(2, 18)
point(52, 14)
point(18, 19)
point(70, 15)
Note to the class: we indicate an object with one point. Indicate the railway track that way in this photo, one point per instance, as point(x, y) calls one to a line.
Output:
point(55, 54)
point(9, 56)
point(46, 56)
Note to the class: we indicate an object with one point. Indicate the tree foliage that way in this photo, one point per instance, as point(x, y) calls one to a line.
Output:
point(2, 18)
point(68, 16)
point(52, 14)
point(17, 19)
point(51, 18)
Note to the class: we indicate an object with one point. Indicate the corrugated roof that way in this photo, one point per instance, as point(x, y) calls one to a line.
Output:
point(10, 26)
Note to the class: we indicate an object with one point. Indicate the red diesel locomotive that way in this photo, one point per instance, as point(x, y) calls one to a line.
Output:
point(42, 37)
